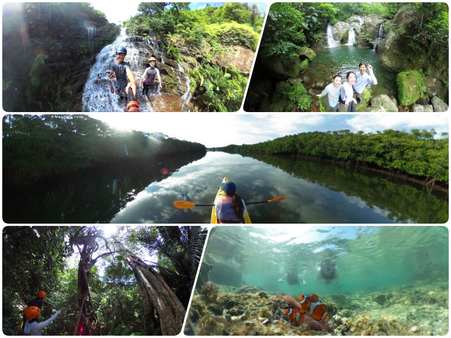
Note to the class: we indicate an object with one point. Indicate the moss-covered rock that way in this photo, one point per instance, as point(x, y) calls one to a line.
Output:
point(307, 52)
point(364, 98)
point(410, 87)
point(304, 65)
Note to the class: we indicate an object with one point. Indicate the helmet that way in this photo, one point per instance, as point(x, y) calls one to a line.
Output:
point(32, 312)
point(121, 50)
point(41, 294)
point(153, 59)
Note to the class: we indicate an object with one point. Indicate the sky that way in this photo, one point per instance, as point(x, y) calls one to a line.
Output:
point(116, 14)
point(222, 129)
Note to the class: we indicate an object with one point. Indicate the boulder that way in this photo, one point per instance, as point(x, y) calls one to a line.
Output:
point(383, 101)
point(418, 108)
point(276, 70)
point(370, 29)
point(393, 50)
point(364, 98)
point(410, 85)
point(238, 57)
point(307, 52)
point(304, 65)
point(279, 101)
point(342, 31)
point(439, 105)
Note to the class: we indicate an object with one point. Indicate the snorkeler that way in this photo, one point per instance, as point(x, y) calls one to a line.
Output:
point(327, 272)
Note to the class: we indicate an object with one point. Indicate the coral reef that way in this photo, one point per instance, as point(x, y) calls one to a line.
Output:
point(209, 291)
point(415, 310)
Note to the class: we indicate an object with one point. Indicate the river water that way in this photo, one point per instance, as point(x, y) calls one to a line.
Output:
point(317, 192)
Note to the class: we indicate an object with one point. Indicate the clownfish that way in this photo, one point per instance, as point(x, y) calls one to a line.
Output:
point(295, 316)
point(311, 304)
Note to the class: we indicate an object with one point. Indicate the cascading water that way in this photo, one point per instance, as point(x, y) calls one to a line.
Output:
point(187, 96)
point(351, 37)
point(331, 32)
point(97, 96)
point(91, 33)
point(379, 37)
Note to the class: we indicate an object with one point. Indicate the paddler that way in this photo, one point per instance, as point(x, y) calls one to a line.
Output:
point(231, 208)
point(122, 73)
point(149, 76)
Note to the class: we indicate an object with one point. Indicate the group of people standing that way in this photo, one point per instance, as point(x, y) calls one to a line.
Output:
point(125, 79)
point(344, 93)
point(32, 314)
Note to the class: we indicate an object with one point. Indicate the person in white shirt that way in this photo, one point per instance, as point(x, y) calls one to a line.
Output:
point(362, 79)
point(31, 326)
point(347, 93)
point(333, 91)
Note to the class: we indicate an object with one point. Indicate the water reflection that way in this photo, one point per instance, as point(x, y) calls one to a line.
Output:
point(317, 192)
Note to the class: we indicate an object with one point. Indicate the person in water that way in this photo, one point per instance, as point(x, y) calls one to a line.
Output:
point(362, 79)
point(231, 208)
point(124, 76)
point(327, 272)
point(347, 93)
point(32, 327)
point(149, 76)
point(333, 91)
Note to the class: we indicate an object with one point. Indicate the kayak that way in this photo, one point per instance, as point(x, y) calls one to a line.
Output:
point(220, 194)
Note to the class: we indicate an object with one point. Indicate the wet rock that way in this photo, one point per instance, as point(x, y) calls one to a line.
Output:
point(262, 294)
point(418, 108)
point(370, 29)
point(439, 105)
point(319, 84)
point(342, 31)
point(306, 52)
point(383, 101)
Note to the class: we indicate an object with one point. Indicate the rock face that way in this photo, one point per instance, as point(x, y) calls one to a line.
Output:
point(306, 52)
point(383, 101)
point(409, 87)
point(369, 29)
point(342, 31)
point(58, 51)
point(439, 105)
point(276, 70)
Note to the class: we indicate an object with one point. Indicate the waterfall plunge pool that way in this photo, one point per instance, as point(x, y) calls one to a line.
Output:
point(342, 59)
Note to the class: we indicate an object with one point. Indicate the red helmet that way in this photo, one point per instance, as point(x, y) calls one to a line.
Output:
point(32, 312)
point(41, 294)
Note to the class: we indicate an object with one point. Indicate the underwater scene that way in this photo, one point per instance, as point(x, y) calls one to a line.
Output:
point(323, 280)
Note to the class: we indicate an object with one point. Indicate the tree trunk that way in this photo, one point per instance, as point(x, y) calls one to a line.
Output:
point(156, 292)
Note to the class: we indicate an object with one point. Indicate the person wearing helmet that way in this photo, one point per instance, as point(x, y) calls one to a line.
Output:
point(149, 76)
point(122, 73)
point(32, 316)
point(37, 302)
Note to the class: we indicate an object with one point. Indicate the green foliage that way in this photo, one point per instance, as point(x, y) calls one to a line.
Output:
point(297, 97)
point(35, 147)
point(416, 153)
point(45, 49)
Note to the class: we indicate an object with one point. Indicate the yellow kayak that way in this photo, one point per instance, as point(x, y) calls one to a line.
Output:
point(220, 194)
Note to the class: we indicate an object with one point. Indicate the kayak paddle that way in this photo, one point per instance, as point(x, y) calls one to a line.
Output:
point(179, 204)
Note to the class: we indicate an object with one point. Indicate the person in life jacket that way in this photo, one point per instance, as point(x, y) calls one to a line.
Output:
point(120, 70)
point(32, 327)
point(231, 208)
point(149, 75)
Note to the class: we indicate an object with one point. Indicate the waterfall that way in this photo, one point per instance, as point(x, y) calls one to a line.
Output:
point(331, 41)
point(187, 96)
point(97, 96)
point(91, 33)
point(351, 37)
point(379, 37)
